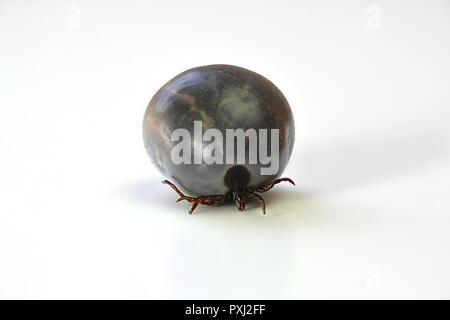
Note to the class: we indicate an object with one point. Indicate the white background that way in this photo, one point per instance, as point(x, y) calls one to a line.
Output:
point(83, 213)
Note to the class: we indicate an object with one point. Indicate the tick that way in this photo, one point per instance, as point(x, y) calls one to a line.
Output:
point(221, 133)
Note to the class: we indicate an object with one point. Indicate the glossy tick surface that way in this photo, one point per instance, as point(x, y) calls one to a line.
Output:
point(221, 97)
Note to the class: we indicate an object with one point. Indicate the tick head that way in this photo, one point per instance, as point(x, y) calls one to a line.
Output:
point(237, 178)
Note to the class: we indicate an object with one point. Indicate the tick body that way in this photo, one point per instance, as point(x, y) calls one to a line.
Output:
point(220, 97)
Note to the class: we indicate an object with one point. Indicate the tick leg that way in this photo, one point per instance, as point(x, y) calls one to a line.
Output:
point(181, 194)
point(242, 203)
point(208, 200)
point(194, 206)
point(260, 199)
point(274, 182)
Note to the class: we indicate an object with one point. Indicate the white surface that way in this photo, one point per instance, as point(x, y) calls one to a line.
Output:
point(82, 211)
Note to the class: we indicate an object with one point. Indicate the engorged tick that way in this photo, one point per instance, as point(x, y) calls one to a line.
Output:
point(208, 104)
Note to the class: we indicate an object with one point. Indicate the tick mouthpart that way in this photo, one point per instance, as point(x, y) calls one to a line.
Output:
point(239, 198)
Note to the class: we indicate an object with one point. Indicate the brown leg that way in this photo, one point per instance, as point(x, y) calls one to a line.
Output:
point(181, 194)
point(208, 200)
point(193, 207)
point(260, 199)
point(242, 204)
point(274, 182)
